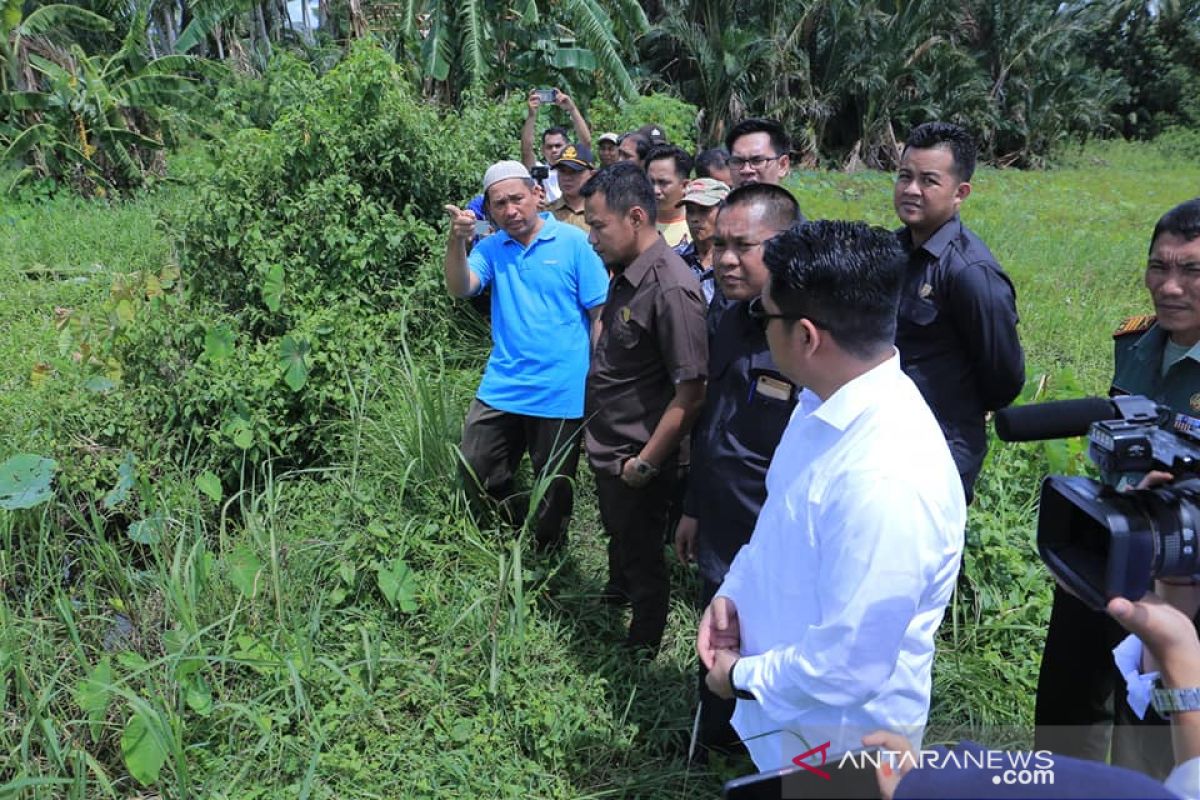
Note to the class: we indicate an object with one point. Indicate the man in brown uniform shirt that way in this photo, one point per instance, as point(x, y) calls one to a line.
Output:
point(644, 389)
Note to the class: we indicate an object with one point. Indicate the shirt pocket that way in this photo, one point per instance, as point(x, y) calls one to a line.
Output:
point(759, 424)
point(920, 311)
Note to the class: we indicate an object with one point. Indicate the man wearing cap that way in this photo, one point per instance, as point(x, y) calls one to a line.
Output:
point(758, 152)
point(747, 404)
point(669, 168)
point(532, 392)
point(574, 167)
point(554, 140)
point(701, 200)
point(607, 148)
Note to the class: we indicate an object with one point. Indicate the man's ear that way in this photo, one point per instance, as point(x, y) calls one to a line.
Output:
point(808, 336)
point(638, 216)
point(961, 193)
point(785, 163)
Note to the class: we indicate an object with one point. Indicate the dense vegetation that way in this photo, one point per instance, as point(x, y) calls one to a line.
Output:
point(232, 561)
point(90, 92)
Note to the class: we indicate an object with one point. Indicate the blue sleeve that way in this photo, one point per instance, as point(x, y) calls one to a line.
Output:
point(591, 279)
point(481, 265)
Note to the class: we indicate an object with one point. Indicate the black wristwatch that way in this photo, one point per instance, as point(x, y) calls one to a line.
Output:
point(740, 694)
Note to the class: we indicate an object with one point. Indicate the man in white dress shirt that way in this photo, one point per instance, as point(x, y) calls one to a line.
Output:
point(824, 627)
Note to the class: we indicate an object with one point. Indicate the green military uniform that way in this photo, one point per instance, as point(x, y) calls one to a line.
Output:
point(1145, 744)
point(1140, 344)
point(1078, 676)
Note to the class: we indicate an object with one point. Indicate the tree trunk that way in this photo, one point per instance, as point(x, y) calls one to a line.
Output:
point(261, 22)
point(306, 17)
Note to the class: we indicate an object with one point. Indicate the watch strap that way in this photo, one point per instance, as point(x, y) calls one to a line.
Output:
point(1170, 701)
point(740, 694)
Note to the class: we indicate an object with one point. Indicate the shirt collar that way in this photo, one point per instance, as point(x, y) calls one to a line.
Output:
point(547, 232)
point(1154, 340)
point(634, 273)
point(940, 239)
point(844, 405)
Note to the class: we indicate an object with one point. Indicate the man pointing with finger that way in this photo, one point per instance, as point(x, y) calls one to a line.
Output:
point(548, 287)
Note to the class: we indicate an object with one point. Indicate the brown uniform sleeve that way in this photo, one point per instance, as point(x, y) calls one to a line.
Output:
point(681, 333)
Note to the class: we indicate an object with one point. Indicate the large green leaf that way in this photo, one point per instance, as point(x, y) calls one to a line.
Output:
point(25, 481)
point(125, 475)
point(149, 530)
point(44, 20)
point(142, 750)
point(218, 343)
point(243, 570)
point(272, 291)
point(398, 584)
point(292, 351)
point(92, 695)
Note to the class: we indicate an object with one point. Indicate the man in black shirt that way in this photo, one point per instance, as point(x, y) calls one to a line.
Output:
point(957, 325)
point(747, 404)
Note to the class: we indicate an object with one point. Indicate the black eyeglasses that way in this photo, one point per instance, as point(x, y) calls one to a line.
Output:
point(756, 162)
point(763, 317)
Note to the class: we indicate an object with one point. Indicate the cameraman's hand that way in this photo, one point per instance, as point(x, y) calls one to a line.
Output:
point(462, 224)
point(1154, 478)
point(1166, 631)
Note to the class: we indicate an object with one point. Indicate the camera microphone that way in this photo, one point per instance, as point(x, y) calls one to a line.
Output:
point(1056, 420)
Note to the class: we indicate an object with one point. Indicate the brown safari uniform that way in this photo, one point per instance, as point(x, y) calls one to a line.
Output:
point(653, 337)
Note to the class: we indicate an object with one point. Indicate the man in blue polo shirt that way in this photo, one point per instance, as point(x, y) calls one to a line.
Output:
point(548, 287)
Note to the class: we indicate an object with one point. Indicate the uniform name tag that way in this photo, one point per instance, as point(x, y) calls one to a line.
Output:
point(773, 388)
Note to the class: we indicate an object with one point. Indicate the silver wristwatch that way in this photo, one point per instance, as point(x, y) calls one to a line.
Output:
point(1169, 701)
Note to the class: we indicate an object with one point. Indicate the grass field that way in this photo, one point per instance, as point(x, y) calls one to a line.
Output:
point(348, 632)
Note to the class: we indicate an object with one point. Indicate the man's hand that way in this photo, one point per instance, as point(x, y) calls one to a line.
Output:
point(563, 100)
point(685, 539)
point(717, 679)
point(462, 224)
point(534, 102)
point(719, 630)
point(887, 776)
point(1166, 631)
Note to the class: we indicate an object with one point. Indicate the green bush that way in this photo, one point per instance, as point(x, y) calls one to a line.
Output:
point(674, 116)
point(1179, 143)
point(304, 254)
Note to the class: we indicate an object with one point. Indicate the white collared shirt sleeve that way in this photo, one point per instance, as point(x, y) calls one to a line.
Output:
point(1184, 780)
point(881, 543)
point(1138, 686)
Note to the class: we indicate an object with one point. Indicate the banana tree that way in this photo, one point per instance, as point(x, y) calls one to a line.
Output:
point(94, 122)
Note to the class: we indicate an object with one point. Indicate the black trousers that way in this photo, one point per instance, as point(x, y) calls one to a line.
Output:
point(1073, 714)
point(493, 444)
point(715, 731)
point(634, 521)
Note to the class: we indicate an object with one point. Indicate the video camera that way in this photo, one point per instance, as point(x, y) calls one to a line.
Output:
point(1101, 542)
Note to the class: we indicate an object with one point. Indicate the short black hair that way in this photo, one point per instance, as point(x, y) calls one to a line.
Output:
point(557, 129)
point(781, 143)
point(707, 160)
point(843, 276)
point(624, 185)
point(778, 208)
point(1183, 220)
point(683, 161)
point(639, 141)
point(955, 138)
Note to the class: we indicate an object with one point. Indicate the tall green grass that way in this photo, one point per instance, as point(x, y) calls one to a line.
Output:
point(351, 632)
